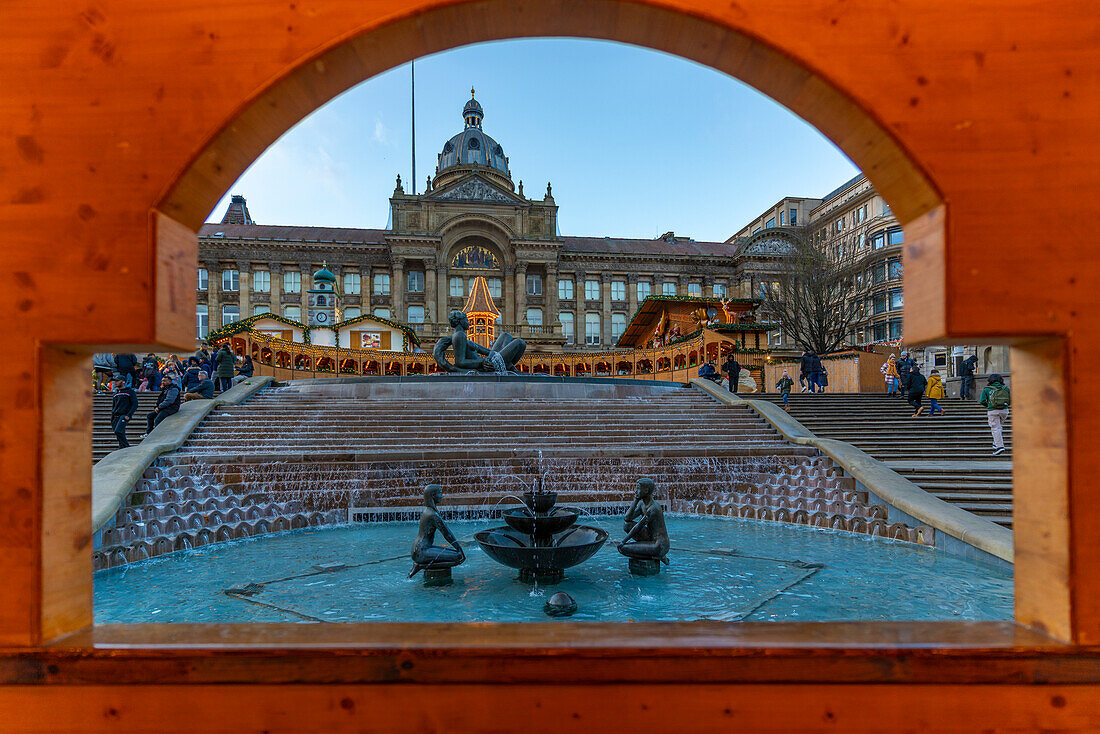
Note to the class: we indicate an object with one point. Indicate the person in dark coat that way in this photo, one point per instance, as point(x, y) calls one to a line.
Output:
point(191, 374)
point(815, 373)
point(204, 390)
point(708, 372)
point(245, 370)
point(123, 406)
point(127, 367)
point(225, 362)
point(732, 368)
point(917, 383)
point(966, 372)
point(167, 404)
point(905, 371)
point(805, 364)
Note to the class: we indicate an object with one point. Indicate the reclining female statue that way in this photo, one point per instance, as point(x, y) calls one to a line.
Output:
point(506, 350)
point(425, 554)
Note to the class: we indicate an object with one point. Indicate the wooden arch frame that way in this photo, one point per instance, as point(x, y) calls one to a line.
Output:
point(139, 109)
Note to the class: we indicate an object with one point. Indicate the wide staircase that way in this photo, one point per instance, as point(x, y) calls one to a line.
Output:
point(949, 456)
point(294, 456)
point(103, 438)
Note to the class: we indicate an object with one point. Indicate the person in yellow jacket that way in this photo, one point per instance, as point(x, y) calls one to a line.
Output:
point(934, 392)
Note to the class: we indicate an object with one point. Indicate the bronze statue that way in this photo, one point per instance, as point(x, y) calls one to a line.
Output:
point(502, 357)
point(646, 540)
point(425, 554)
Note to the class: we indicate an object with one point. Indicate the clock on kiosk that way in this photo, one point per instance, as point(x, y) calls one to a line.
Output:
point(321, 317)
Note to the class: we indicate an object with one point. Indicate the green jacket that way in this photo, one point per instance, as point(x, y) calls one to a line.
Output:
point(224, 361)
point(785, 384)
point(988, 392)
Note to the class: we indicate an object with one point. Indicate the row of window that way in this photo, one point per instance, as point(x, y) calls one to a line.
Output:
point(789, 216)
point(292, 283)
point(592, 321)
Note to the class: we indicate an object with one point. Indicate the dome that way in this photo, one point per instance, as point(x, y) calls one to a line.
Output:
point(324, 275)
point(472, 147)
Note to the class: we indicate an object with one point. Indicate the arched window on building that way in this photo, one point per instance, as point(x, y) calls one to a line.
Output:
point(565, 318)
point(618, 326)
point(202, 321)
point(592, 329)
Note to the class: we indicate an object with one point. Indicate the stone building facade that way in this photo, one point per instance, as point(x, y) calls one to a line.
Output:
point(557, 292)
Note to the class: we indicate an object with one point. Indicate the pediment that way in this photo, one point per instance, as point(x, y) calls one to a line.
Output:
point(475, 188)
point(772, 246)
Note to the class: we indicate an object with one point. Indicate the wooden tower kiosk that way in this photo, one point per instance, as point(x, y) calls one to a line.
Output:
point(482, 313)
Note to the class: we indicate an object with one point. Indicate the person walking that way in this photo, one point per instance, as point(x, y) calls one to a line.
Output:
point(123, 406)
point(167, 404)
point(225, 362)
point(784, 387)
point(732, 368)
point(815, 372)
point(935, 393)
point(804, 365)
point(917, 383)
point(966, 372)
point(889, 371)
point(905, 371)
point(996, 398)
point(126, 365)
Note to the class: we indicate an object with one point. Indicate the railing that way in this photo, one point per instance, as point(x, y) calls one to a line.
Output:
point(676, 363)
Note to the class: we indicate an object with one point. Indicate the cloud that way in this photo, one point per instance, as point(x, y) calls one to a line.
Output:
point(381, 134)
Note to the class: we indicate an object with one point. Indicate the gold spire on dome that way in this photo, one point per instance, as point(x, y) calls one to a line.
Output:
point(471, 92)
point(482, 313)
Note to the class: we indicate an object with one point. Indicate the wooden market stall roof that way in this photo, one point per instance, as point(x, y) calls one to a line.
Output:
point(480, 300)
point(653, 308)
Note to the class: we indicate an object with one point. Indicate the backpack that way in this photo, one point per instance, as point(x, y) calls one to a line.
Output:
point(999, 397)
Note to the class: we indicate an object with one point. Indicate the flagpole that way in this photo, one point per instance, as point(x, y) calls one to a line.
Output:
point(412, 96)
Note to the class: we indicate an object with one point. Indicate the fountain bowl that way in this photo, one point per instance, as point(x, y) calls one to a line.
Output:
point(541, 563)
point(550, 524)
point(540, 502)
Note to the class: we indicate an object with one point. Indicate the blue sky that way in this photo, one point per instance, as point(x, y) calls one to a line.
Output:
point(635, 142)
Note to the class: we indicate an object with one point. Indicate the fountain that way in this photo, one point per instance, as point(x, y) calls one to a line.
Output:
point(541, 540)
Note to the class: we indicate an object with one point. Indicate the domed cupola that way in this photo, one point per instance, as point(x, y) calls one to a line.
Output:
point(472, 150)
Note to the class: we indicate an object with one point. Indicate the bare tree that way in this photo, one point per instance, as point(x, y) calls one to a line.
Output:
point(816, 296)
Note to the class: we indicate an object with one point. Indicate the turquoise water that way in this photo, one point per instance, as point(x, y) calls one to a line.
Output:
point(721, 568)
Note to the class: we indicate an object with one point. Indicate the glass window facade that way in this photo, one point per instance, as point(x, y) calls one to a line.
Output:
point(415, 279)
point(668, 289)
point(416, 314)
point(456, 290)
point(494, 286)
point(719, 290)
point(695, 289)
point(203, 279)
point(618, 290)
point(534, 316)
point(565, 290)
point(592, 290)
point(352, 284)
point(230, 314)
point(534, 285)
point(645, 288)
point(381, 284)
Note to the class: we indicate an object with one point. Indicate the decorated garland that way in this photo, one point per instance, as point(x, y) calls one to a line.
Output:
point(409, 338)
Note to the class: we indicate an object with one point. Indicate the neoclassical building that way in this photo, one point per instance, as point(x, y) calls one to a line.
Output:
point(557, 292)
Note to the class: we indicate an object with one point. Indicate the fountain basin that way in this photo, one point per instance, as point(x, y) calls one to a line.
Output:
point(541, 563)
point(540, 502)
point(541, 525)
